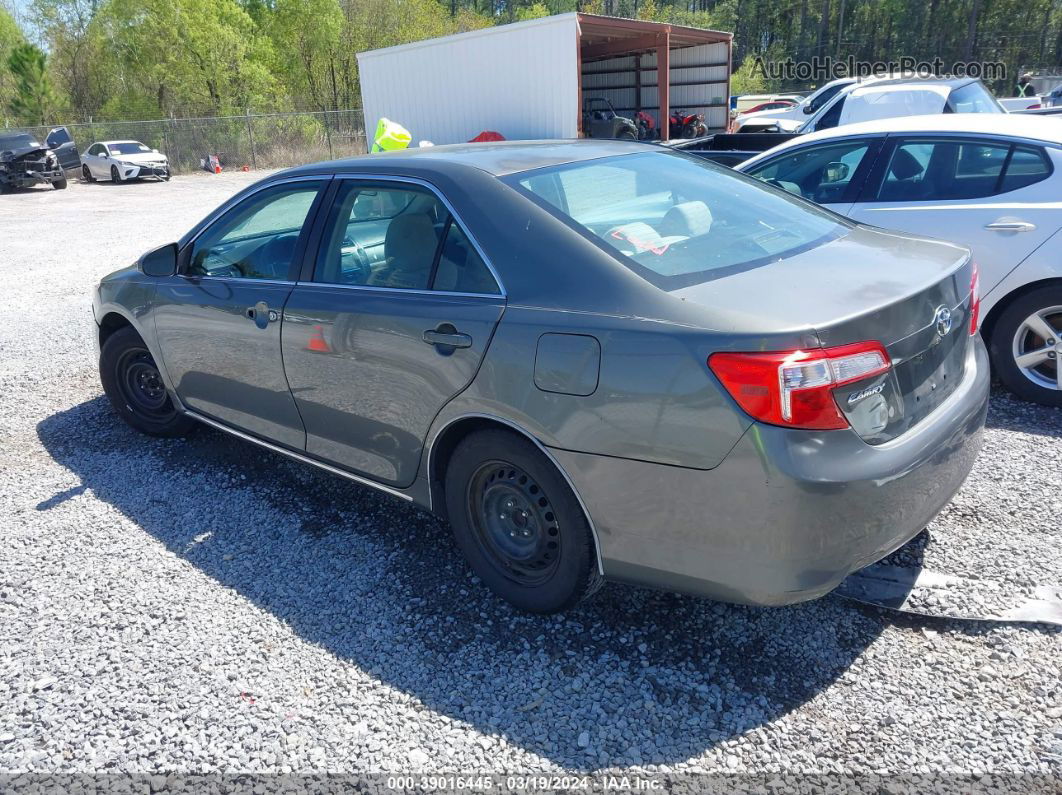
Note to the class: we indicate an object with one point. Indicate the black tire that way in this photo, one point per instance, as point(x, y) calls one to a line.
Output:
point(115, 176)
point(60, 184)
point(134, 386)
point(1010, 334)
point(541, 558)
point(86, 172)
point(627, 135)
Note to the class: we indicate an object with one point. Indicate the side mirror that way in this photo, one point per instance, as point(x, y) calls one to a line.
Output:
point(161, 261)
point(808, 110)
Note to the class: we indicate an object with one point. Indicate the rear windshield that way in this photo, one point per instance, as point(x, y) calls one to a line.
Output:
point(678, 220)
point(18, 141)
point(973, 98)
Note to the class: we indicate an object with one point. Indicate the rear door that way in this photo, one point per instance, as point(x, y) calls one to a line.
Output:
point(992, 195)
point(60, 141)
point(392, 322)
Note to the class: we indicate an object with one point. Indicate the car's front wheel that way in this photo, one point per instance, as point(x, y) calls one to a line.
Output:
point(519, 524)
point(1026, 346)
point(59, 184)
point(115, 176)
point(134, 385)
point(86, 172)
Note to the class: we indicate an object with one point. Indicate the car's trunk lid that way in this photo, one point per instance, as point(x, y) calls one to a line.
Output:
point(910, 294)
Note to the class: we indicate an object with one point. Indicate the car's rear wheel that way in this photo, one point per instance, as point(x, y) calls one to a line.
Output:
point(519, 524)
point(134, 385)
point(86, 172)
point(115, 176)
point(1026, 346)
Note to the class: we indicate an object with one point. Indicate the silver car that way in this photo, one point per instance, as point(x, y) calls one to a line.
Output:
point(596, 359)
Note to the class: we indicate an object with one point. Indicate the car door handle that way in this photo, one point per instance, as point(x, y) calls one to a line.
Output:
point(1011, 226)
point(261, 314)
point(447, 336)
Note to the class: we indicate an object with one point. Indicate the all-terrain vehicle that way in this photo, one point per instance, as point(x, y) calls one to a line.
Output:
point(25, 161)
point(600, 120)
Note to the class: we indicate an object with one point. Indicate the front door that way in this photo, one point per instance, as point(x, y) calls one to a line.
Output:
point(987, 194)
point(394, 322)
point(219, 319)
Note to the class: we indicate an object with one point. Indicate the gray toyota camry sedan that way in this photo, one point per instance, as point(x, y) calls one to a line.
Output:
point(595, 359)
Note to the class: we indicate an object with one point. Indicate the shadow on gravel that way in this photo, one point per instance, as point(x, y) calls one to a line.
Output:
point(1009, 413)
point(630, 677)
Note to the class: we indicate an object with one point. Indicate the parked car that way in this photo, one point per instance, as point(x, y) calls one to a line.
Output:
point(781, 104)
point(122, 161)
point(597, 359)
point(600, 120)
point(25, 161)
point(764, 121)
point(885, 98)
point(747, 102)
point(991, 182)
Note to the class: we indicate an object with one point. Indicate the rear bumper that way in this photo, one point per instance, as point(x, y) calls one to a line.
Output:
point(787, 514)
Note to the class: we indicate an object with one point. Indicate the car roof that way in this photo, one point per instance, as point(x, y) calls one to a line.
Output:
point(121, 141)
point(497, 158)
point(1009, 125)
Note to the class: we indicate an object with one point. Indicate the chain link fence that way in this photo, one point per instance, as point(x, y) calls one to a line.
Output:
point(255, 140)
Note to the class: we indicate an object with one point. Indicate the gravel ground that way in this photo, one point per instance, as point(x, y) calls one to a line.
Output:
point(201, 605)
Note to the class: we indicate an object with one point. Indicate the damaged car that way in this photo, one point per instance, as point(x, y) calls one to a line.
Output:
point(25, 161)
point(122, 161)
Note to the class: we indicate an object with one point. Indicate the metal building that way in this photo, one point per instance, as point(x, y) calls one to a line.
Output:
point(527, 80)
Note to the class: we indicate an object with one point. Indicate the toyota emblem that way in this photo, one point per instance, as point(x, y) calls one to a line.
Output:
point(943, 320)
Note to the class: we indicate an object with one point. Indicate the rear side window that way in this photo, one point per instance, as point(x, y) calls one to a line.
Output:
point(1028, 165)
point(956, 170)
point(400, 237)
point(677, 220)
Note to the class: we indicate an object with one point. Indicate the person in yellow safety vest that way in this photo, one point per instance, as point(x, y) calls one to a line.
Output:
point(1025, 86)
point(390, 136)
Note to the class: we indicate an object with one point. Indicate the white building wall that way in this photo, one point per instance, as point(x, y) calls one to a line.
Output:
point(520, 80)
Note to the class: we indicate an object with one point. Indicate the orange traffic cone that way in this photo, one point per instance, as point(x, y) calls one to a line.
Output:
point(317, 342)
point(217, 169)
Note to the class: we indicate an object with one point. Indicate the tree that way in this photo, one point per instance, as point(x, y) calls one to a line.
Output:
point(34, 100)
point(10, 37)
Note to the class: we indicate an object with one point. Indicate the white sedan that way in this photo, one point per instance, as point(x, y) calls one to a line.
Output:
point(119, 161)
point(992, 182)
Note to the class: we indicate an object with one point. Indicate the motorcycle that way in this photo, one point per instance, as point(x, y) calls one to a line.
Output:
point(687, 125)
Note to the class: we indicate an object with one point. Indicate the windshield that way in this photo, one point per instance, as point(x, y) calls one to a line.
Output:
point(18, 141)
point(677, 220)
point(128, 148)
point(973, 98)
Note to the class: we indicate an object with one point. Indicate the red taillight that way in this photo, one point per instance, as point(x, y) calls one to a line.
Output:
point(975, 299)
point(795, 388)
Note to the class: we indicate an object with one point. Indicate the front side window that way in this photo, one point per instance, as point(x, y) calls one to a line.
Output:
point(403, 237)
point(819, 173)
point(258, 238)
point(677, 220)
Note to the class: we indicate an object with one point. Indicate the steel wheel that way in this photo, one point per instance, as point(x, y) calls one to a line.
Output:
point(514, 523)
point(1037, 346)
point(140, 383)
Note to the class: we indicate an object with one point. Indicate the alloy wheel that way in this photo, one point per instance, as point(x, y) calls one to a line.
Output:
point(1037, 347)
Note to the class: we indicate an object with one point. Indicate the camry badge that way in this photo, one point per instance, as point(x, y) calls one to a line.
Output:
point(942, 318)
point(865, 393)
